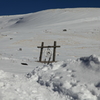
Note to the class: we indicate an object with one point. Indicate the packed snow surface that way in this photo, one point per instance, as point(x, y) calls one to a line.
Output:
point(75, 75)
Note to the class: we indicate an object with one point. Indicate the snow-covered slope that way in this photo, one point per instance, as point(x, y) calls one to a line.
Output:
point(27, 31)
point(76, 30)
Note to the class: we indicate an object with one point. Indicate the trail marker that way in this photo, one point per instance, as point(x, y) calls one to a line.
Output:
point(48, 53)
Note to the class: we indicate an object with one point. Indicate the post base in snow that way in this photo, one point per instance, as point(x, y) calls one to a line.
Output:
point(46, 61)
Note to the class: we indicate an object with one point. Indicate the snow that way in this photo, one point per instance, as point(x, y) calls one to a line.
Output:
point(18, 87)
point(75, 75)
point(67, 79)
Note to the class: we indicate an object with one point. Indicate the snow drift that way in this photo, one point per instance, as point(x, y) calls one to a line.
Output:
point(62, 78)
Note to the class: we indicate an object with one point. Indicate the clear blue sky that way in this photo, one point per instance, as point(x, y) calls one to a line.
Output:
point(12, 7)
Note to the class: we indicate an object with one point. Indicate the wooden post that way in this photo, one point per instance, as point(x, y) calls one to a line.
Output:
point(40, 58)
point(54, 51)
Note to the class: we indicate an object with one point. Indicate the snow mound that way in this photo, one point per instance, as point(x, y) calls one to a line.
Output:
point(91, 62)
point(63, 79)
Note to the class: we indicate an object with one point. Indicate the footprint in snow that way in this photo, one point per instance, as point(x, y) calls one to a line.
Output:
point(70, 71)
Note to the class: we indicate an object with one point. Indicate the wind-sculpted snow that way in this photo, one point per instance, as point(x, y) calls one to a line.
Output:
point(61, 77)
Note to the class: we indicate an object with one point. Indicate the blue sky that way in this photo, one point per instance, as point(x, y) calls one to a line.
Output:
point(12, 7)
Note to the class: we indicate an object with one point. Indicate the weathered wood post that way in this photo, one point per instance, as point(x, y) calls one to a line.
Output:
point(41, 51)
point(54, 51)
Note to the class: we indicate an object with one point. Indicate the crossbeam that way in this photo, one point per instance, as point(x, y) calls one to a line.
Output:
point(47, 46)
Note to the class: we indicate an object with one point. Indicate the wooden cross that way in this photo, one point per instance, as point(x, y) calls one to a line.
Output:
point(54, 51)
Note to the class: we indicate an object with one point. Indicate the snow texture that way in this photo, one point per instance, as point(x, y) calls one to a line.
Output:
point(75, 75)
point(62, 79)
